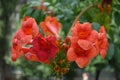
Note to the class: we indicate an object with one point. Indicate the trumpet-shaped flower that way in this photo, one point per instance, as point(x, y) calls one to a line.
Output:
point(83, 44)
point(23, 37)
point(50, 26)
point(19, 41)
point(29, 26)
point(44, 48)
point(103, 42)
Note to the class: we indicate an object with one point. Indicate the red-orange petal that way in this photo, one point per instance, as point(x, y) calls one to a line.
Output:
point(71, 56)
point(74, 39)
point(35, 30)
point(103, 42)
point(82, 30)
point(84, 44)
point(27, 25)
point(25, 50)
point(52, 28)
point(31, 57)
point(82, 61)
point(102, 30)
point(45, 28)
point(103, 53)
point(92, 53)
point(14, 57)
point(25, 39)
point(93, 36)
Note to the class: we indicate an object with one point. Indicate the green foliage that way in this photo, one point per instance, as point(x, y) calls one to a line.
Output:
point(66, 11)
point(117, 55)
point(114, 33)
point(1, 24)
point(96, 26)
point(103, 19)
point(29, 11)
point(30, 68)
point(110, 52)
point(117, 18)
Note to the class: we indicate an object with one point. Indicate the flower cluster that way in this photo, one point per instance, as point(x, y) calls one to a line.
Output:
point(81, 46)
point(86, 44)
point(32, 44)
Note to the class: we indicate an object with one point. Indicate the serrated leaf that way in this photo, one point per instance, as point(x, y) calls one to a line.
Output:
point(110, 51)
point(96, 26)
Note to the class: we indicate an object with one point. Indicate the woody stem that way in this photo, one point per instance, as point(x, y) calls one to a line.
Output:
point(80, 14)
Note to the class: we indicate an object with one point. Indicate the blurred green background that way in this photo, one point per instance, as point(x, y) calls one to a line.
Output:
point(11, 12)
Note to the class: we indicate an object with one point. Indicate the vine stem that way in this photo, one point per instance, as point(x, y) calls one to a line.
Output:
point(80, 14)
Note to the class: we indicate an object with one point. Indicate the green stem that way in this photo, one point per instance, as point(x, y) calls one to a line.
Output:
point(59, 78)
point(80, 14)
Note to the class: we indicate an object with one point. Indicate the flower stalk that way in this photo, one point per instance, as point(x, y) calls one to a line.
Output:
point(80, 14)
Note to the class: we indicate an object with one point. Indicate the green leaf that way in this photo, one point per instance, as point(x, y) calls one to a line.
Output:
point(117, 18)
point(117, 6)
point(96, 26)
point(117, 55)
point(29, 11)
point(110, 51)
point(33, 3)
point(23, 10)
